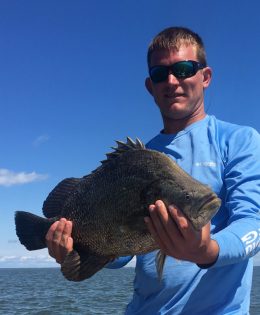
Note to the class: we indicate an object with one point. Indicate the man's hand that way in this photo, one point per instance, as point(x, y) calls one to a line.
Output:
point(177, 238)
point(58, 239)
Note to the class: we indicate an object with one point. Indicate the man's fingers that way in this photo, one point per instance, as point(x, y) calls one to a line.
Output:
point(49, 235)
point(179, 219)
point(58, 239)
point(168, 222)
point(66, 239)
point(152, 228)
point(58, 233)
point(68, 228)
point(160, 225)
point(70, 244)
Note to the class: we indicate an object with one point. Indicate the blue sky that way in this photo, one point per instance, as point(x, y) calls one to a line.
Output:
point(72, 81)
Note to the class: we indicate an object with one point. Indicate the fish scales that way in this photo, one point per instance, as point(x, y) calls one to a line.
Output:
point(108, 206)
point(117, 192)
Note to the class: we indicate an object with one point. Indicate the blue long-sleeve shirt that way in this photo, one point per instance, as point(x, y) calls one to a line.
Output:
point(227, 158)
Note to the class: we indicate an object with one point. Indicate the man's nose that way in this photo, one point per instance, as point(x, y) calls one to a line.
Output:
point(172, 79)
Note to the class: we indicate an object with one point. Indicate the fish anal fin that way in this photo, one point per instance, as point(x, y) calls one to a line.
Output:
point(53, 204)
point(81, 266)
point(160, 261)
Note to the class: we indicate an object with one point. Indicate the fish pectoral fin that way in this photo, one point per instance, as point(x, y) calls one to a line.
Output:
point(80, 266)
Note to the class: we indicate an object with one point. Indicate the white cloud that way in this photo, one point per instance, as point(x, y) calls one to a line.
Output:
point(35, 260)
point(10, 178)
point(40, 140)
point(7, 258)
point(32, 261)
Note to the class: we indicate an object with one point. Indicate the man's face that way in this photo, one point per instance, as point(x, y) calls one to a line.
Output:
point(179, 99)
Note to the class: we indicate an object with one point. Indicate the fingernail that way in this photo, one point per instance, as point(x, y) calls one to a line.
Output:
point(159, 203)
point(151, 207)
point(171, 207)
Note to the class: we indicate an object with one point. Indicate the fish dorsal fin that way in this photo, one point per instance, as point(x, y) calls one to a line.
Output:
point(53, 204)
point(123, 147)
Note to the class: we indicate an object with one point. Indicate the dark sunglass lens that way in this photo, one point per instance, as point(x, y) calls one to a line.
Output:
point(159, 74)
point(183, 69)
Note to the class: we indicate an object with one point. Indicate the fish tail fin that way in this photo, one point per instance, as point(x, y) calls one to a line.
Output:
point(160, 260)
point(31, 229)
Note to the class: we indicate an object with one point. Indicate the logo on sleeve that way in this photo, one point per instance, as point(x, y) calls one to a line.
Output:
point(206, 164)
point(251, 241)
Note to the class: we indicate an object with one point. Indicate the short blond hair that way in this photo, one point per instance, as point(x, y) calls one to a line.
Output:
point(173, 38)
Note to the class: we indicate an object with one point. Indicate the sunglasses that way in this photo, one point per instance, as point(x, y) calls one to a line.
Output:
point(181, 70)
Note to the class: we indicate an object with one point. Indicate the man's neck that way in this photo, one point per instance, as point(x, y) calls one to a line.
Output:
point(175, 125)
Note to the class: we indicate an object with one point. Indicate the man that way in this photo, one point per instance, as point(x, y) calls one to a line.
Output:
point(207, 272)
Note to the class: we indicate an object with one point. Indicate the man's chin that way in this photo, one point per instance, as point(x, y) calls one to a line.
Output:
point(176, 112)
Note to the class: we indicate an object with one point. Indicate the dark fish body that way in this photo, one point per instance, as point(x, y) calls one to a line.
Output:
point(108, 207)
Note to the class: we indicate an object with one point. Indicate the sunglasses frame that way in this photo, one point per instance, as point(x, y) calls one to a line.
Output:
point(196, 66)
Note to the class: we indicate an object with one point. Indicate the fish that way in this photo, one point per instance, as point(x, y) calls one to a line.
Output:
point(108, 206)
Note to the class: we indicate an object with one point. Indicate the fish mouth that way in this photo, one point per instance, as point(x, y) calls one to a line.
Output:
point(206, 211)
point(211, 200)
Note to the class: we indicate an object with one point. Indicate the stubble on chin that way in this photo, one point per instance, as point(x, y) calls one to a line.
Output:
point(176, 117)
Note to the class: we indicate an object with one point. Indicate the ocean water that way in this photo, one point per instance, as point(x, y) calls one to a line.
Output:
point(46, 292)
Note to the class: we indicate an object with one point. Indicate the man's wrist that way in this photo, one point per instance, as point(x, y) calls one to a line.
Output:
point(210, 256)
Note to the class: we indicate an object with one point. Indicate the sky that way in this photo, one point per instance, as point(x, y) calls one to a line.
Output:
point(72, 82)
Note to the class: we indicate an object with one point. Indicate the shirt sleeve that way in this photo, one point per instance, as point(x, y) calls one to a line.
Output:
point(119, 262)
point(240, 239)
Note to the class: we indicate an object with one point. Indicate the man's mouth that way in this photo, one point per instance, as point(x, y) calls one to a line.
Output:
point(174, 95)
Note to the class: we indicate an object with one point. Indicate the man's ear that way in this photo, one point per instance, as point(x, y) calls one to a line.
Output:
point(148, 85)
point(207, 75)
